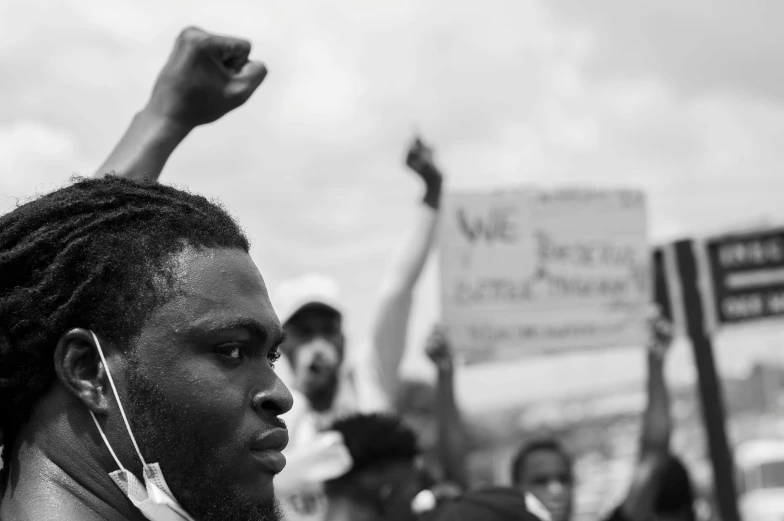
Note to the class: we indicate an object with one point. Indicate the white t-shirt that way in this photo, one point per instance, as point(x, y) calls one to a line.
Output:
point(367, 384)
point(299, 487)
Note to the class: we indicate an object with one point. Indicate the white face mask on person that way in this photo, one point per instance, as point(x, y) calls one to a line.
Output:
point(319, 351)
point(154, 499)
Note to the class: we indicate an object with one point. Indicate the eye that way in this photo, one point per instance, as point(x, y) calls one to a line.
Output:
point(232, 351)
point(273, 356)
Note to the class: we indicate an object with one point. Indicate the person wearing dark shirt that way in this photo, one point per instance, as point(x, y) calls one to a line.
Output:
point(674, 498)
point(660, 488)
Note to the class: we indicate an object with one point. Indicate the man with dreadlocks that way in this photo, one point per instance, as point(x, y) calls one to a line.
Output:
point(137, 338)
point(328, 379)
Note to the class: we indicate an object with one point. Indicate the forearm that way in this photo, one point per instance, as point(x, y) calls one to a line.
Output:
point(452, 438)
point(390, 327)
point(409, 262)
point(655, 443)
point(657, 422)
point(144, 148)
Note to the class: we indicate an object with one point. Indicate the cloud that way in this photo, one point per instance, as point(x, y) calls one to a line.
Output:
point(699, 46)
point(682, 99)
point(32, 155)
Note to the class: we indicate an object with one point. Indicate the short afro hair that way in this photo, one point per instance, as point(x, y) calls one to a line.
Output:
point(539, 444)
point(95, 254)
point(374, 442)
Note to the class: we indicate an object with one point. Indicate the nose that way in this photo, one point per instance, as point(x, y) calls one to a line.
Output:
point(275, 400)
point(555, 487)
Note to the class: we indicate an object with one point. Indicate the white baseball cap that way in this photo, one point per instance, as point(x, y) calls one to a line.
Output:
point(312, 288)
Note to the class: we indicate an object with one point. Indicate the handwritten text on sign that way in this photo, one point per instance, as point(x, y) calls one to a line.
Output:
point(525, 272)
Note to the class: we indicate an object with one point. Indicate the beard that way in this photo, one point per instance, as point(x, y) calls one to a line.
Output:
point(196, 483)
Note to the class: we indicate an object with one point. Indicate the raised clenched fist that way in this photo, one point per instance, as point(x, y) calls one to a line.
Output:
point(661, 336)
point(206, 76)
point(438, 349)
point(419, 158)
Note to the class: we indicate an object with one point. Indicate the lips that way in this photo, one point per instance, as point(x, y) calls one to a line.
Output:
point(267, 448)
point(274, 439)
point(272, 460)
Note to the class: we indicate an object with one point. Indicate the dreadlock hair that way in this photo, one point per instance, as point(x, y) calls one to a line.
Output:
point(374, 441)
point(546, 444)
point(96, 254)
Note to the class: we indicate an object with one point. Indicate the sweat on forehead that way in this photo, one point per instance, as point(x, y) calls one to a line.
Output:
point(93, 255)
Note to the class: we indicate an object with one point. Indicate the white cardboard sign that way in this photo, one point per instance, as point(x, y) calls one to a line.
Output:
point(527, 272)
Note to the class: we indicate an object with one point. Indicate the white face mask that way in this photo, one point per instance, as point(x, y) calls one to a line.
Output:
point(154, 499)
point(323, 349)
point(536, 507)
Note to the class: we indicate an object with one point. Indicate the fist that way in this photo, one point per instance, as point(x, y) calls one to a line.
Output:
point(419, 158)
point(661, 335)
point(205, 77)
point(438, 349)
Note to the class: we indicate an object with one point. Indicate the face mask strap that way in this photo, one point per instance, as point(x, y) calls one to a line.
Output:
point(119, 404)
point(106, 442)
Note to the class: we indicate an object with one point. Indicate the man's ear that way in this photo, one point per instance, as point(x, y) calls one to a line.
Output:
point(79, 368)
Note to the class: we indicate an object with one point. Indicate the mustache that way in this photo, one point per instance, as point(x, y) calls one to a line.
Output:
point(280, 423)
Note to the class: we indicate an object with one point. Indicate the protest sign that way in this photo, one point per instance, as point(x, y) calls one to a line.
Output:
point(526, 272)
point(747, 275)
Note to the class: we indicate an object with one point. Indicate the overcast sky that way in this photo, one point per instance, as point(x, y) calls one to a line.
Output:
point(682, 99)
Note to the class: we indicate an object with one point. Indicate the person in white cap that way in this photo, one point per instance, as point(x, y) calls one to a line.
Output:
point(326, 383)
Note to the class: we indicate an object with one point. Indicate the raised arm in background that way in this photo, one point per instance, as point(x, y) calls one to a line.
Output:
point(656, 431)
point(390, 326)
point(205, 77)
point(452, 437)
